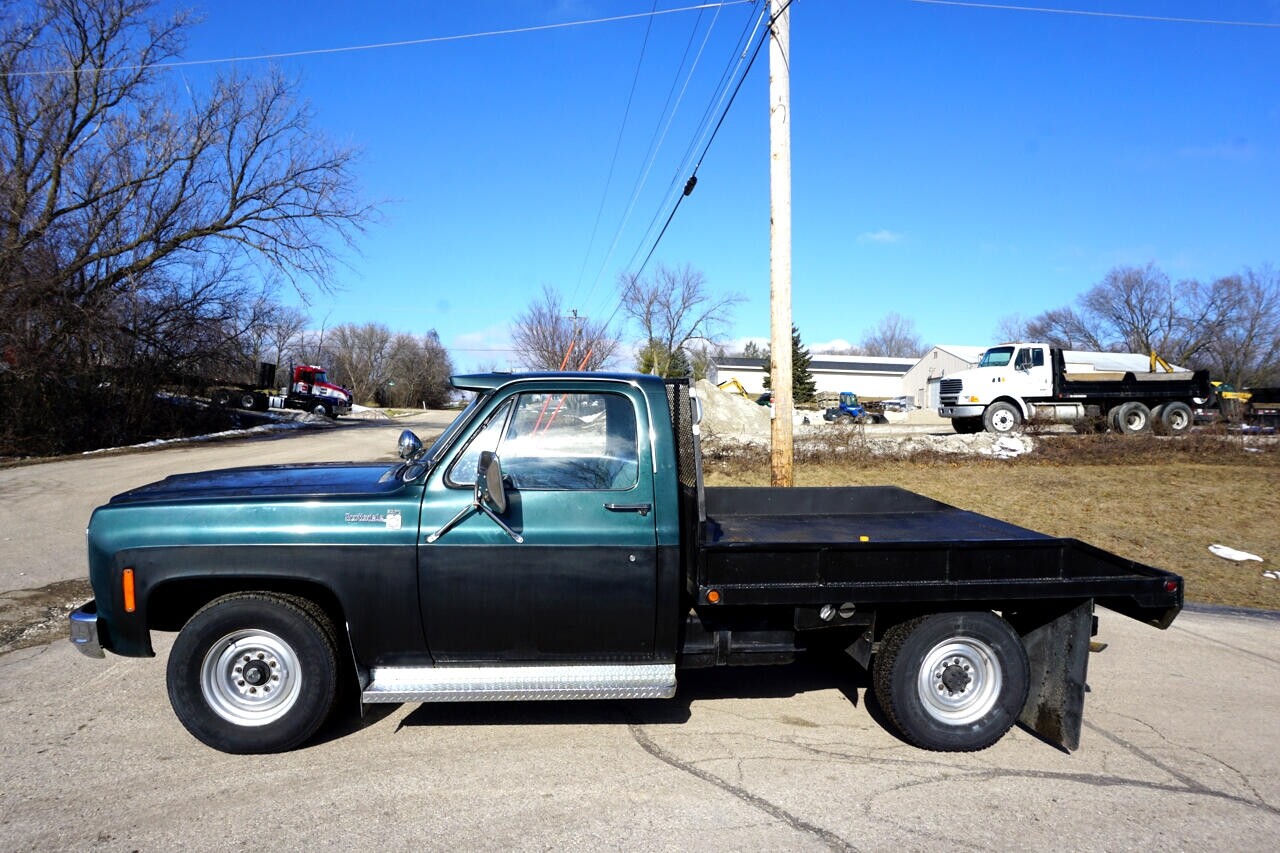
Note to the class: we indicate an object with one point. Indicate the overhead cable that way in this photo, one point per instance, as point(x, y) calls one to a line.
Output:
point(186, 63)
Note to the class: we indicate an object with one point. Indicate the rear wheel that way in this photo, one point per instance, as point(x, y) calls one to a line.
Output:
point(253, 673)
point(1132, 418)
point(952, 681)
point(220, 397)
point(1175, 418)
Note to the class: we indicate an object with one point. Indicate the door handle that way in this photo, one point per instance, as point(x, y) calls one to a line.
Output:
point(643, 509)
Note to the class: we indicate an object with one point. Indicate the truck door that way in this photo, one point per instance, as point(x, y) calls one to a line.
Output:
point(582, 585)
point(1035, 378)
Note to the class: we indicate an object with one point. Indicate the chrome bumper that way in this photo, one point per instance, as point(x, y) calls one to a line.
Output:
point(84, 630)
point(961, 411)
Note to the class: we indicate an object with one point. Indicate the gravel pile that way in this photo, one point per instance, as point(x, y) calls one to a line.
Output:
point(732, 422)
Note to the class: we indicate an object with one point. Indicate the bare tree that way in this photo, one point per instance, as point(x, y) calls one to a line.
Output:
point(1141, 310)
point(1138, 309)
point(1247, 351)
point(360, 359)
point(1063, 327)
point(893, 337)
point(136, 224)
point(418, 372)
point(673, 307)
point(548, 337)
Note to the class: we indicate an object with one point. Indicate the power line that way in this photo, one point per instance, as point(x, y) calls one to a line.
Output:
point(742, 50)
point(1080, 12)
point(656, 140)
point(693, 177)
point(617, 146)
point(186, 63)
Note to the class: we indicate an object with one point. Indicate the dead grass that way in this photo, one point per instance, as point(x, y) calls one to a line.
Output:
point(1158, 501)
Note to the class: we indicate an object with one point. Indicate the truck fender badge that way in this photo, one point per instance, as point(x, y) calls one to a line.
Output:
point(391, 519)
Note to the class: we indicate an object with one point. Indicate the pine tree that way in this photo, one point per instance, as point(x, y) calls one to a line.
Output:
point(803, 387)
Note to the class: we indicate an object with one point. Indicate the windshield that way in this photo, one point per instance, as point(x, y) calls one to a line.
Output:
point(446, 437)
point(996, 357)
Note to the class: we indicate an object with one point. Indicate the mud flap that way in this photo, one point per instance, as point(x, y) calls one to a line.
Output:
point(1057, 644)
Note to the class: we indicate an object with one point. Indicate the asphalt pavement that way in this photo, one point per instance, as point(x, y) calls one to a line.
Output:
point(1179, 750)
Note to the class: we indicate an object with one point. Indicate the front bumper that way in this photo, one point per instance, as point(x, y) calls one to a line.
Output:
point(961, 411)
point(84, 630)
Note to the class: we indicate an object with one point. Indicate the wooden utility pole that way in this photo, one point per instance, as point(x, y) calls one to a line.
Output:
point(780, 242)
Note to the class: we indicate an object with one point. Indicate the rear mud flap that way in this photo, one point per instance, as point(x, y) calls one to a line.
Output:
point(1057, 644)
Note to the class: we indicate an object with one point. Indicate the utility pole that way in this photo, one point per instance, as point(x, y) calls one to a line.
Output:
point(780, 242)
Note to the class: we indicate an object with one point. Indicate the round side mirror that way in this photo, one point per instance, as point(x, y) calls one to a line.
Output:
point(409, 444)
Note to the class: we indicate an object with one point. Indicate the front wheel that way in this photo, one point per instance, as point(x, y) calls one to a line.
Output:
point(1001, 418)
point(952, 681)
point(253, 673)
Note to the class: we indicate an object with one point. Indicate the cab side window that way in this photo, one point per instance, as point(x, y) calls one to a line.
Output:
point(577, 441)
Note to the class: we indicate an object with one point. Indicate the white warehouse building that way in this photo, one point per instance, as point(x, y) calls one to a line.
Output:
point(870, 377)
point(921, 382)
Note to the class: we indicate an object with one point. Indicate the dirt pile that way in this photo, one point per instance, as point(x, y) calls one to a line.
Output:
point(732, 423)
point(732, 418)
point(901, 446)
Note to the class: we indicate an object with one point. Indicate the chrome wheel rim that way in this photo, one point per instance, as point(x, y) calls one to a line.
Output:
point(959, 681)
point(250, 677)
point(1003, 421)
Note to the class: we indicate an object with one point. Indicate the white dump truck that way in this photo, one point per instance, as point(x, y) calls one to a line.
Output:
point(1124, 392)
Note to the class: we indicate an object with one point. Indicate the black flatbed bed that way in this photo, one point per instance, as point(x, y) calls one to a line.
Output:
point(880, 544)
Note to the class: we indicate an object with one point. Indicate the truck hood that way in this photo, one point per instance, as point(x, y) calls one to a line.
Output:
point(267, 481)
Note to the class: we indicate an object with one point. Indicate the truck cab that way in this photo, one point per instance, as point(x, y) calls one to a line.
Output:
point(1008, 375)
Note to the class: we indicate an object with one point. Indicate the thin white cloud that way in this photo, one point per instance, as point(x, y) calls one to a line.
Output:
point(1238, 149)
point(884, 235)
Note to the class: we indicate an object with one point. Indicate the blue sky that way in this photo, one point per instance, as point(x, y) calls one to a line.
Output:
point(952, 164)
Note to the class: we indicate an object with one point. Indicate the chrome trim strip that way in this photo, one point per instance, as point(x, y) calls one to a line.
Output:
point(505, 683)
point(84, 630)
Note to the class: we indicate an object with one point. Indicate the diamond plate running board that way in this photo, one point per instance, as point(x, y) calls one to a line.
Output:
point(505, 683)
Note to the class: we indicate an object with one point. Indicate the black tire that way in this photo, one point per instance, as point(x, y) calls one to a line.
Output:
point(967, 426)
point(231, 656)
point(247, 400)
point(952, 682)
point(322, 409)
point(1175, 418)
point(220, 397)
point(1001, 418)
point(1132, 418)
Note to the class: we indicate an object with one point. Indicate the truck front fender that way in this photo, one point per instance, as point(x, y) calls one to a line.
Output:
point(371, 591)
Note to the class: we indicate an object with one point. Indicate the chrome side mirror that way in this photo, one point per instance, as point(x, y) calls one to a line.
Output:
point(409, 444)
point(489, 482)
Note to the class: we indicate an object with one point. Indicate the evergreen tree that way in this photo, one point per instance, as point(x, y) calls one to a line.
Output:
point(656, 359)
point(803, 387)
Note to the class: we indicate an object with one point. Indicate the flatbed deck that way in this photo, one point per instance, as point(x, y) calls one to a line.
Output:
point(878, 544)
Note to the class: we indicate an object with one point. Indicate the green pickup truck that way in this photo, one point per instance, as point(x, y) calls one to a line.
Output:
point(556, 542)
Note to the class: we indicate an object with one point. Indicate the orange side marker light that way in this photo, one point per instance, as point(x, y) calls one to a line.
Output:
point(713, 596)
point(126, 585)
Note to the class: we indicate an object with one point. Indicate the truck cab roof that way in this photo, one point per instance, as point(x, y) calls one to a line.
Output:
point(493, 381)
